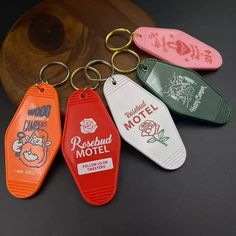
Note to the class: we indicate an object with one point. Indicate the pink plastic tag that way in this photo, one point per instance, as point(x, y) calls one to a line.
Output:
point(177, 47)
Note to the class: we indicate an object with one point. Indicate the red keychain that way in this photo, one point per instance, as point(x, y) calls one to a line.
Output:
point(33, 137)
point(91, 145)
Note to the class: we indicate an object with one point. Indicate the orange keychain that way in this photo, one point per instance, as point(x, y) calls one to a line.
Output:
point(33, 137)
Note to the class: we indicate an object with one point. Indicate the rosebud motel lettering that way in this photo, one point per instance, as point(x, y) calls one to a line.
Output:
point(138, 114)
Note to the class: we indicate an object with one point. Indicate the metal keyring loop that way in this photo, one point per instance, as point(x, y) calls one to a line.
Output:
point(82, 68)
point(125, 51)
point(117, 31)
point(51, 64)
point(96, 62)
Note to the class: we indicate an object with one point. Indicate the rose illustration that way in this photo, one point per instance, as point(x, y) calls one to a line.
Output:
point(150, 128)
point(88, 126)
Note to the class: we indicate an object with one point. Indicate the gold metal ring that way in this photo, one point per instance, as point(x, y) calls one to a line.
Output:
point(82, 68)
point(97, 62)
point(125, 51)
point(118, 31)
point(51, 64)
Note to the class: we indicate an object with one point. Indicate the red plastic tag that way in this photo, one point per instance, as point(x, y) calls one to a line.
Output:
point(32, 140)
point(91, 147)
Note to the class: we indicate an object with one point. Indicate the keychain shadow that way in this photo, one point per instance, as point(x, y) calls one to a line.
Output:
point(144, 160)
point(57, 164)
point(184, 121)
point(180, 122)
point(208, 73)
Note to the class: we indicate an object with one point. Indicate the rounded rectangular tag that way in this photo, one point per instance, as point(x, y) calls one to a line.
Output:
point(177, 47)
point(184, 91)
point(91, 147)
point(144, 122)
point(32, 140)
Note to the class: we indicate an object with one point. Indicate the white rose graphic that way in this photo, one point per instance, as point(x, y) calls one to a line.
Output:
point(88, 126)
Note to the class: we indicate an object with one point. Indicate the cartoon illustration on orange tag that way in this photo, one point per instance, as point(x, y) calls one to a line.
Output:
point(32, 150)
point(33, 138)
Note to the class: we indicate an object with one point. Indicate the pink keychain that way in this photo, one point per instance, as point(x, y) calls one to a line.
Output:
point(173, 46)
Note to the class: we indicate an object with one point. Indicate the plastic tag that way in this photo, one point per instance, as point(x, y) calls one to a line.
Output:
point(91, 147)
point(184, 91)
point(144, 122)
point(177, 47)
point(32, 140)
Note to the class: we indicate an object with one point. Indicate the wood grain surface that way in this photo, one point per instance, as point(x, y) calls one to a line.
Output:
point(72, 32)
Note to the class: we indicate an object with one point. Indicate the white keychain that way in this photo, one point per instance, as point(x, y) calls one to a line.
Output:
point(144, 121)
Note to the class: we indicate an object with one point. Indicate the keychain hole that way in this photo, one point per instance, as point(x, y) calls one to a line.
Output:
point(145, 68)
point(113, 81)
point(83, 95)
point(39, 88)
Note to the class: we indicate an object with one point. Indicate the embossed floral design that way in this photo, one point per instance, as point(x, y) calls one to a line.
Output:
point(88, 126)
point(150, 128)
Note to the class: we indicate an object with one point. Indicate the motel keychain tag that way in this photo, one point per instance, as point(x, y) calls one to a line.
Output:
point(143, 121)
point(184, 91)
point(173, 46)
point(91, 145)
point(33, 137)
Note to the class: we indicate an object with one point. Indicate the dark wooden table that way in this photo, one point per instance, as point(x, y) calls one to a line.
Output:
point(72, 32)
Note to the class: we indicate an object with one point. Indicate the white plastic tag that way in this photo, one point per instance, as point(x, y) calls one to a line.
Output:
point(144, 122)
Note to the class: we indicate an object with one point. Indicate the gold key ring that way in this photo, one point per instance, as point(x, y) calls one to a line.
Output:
point(99, 61)
point(82, 68)
point(125, 51)
point(115, 32)
point(51, 64)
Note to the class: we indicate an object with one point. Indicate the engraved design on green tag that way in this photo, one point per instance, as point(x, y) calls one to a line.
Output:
point(183, 90)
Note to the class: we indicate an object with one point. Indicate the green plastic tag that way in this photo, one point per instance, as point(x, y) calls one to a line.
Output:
point(184, 91)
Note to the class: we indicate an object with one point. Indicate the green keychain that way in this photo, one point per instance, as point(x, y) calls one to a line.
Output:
point(184, 91)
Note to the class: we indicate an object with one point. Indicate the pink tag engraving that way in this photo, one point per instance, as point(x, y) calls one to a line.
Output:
point(177, 47)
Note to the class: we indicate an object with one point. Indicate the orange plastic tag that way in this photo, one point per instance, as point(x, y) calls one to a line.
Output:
point(32, 140)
